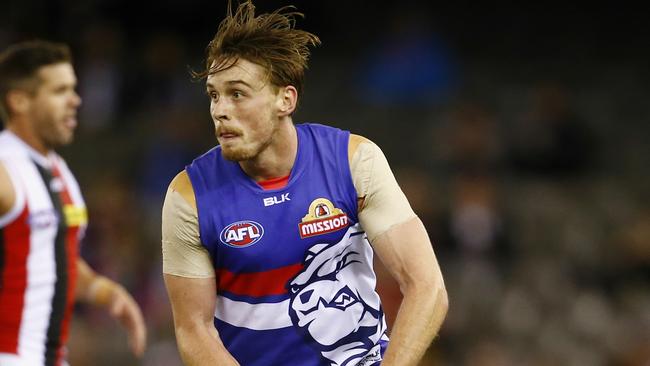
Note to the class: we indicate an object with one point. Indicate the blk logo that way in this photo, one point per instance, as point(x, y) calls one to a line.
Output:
point(270, 201)
point(241, 234)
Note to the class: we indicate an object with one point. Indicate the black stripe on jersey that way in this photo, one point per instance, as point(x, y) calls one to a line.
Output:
point(53, 341)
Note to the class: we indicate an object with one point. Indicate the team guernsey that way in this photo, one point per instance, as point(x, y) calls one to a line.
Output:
point(295, 283)
point(38, 253)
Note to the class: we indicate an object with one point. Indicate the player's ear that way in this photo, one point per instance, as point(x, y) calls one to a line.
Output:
point(17, 101)
point(287, 100)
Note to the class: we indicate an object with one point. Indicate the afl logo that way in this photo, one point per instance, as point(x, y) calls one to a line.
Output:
point(242, 234)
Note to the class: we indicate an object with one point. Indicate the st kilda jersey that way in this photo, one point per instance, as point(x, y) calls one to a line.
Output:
point(295, 283)
point(38, 255)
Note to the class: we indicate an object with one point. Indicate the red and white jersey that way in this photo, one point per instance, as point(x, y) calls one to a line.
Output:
point(39, 239)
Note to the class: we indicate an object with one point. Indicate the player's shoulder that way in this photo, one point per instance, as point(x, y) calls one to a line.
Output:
point(357, 141)
point(182, 184)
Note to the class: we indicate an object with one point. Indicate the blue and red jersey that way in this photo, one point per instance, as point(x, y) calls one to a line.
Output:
point(295, 283)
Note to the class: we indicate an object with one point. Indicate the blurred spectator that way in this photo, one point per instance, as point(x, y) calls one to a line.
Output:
point(551, 138)
point(467, 140)
point(101, 76)
point(160, 80)
point(475, 225)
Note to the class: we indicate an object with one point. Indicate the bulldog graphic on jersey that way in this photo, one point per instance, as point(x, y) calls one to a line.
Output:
point(333, 302)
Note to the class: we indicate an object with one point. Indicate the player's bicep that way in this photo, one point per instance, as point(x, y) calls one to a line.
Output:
point(406, 251)
point(183, 253)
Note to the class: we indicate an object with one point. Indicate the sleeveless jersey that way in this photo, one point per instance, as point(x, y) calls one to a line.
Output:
point(38, 255)
point(295, 283)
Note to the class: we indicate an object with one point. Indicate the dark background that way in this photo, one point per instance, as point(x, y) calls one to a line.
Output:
point(519, 134)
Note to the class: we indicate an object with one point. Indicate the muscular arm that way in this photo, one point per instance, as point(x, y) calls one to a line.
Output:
point(402, 244)
point(193, 301)
point(406, 251)
point(190, 280)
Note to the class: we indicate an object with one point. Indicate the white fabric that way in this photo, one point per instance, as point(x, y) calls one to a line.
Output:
point(26, 360)
point(43, 221)
point(262, 316)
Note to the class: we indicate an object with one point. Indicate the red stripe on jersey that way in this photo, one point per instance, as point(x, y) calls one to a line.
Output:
point(16, 238)
point(64, 194)
point(257, 283)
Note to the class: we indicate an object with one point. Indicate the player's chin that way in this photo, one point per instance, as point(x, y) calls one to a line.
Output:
point(234, 154)
point(66, 138)
point(58, 141)
point(229, 154)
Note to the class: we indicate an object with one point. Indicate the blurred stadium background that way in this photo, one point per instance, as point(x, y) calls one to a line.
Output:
point(520, 135)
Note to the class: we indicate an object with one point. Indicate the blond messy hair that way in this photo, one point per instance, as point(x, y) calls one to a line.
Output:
point(269, 40)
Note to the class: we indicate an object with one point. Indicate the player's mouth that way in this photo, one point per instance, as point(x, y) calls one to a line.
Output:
point(70, 122)
point(228, 135)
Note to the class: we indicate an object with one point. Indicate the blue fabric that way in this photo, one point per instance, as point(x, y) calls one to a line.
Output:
point(255, 239)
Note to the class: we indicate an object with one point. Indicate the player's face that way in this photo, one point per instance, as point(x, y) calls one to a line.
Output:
point(54, 104)
point(244, 108)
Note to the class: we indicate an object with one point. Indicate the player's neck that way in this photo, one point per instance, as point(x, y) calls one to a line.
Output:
point(26, 133)
point(278, 158)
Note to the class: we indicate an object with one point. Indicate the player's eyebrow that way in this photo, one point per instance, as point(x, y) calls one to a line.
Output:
point(211, 85)
point(239, 81)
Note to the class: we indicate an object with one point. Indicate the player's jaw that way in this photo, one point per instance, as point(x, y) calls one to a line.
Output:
point(55, 128)
point(54, 108)
point(59, 132)
point(66, 127)
point(234, 144)
point(244, 143)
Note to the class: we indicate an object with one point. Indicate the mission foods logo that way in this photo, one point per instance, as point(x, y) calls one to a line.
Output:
point(322, 218)
point(242, 234)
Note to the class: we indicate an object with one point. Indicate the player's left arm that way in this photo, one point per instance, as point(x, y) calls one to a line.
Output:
point(403, 245)
point(406, 252)
point(101, 291)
